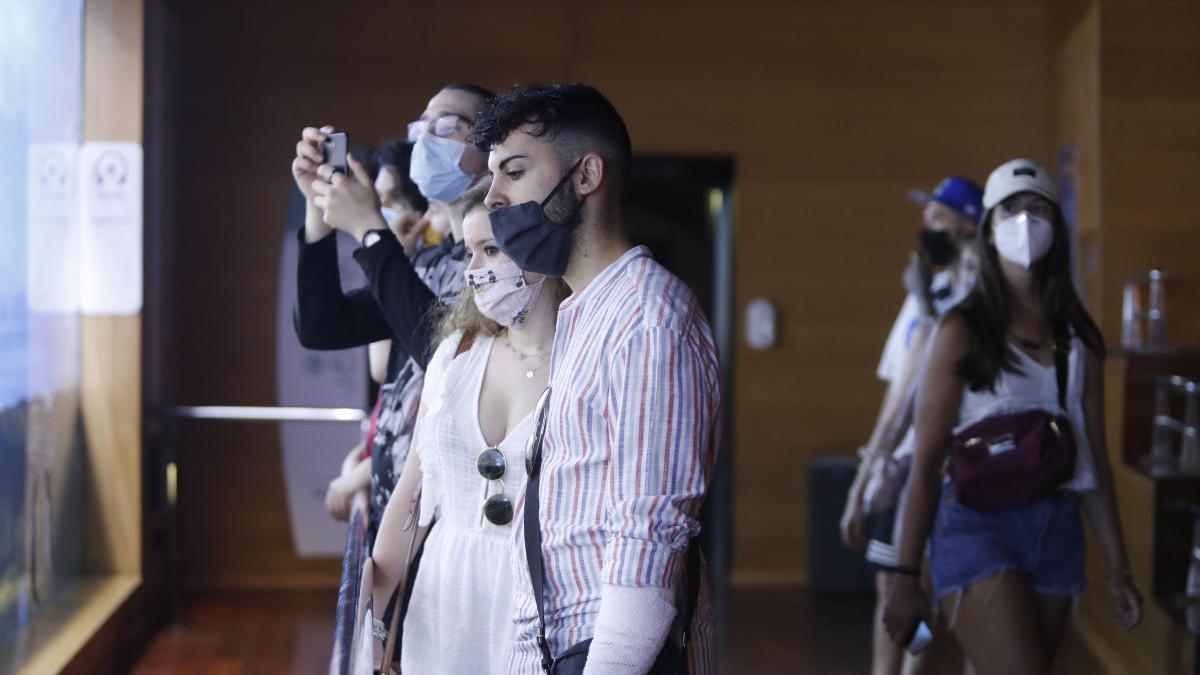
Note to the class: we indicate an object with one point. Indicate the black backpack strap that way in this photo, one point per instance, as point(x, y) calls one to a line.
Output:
point(533, 530)
point(533, 549)
point(693, 596)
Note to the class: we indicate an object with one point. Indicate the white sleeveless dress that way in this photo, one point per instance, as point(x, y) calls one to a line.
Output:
point(460, 617)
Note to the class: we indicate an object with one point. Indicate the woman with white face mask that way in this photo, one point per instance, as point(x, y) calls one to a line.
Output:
point(468, 459)
point(1013, 384)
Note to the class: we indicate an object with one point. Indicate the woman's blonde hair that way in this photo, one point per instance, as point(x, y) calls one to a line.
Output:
point(463, 314)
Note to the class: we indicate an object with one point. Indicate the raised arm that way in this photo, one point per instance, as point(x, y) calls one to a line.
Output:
point(324, 317)
point(402, 301)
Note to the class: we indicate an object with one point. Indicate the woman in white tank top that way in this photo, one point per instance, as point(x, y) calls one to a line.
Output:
point(1007, 577)
point(468, 460)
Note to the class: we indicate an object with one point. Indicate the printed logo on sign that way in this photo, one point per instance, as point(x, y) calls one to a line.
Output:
point(53, 175)
point(110, 180)
point(111, 172)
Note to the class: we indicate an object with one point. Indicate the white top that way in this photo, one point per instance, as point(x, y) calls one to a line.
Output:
point(895, 350)
point(1037, 389)
point(460, 616)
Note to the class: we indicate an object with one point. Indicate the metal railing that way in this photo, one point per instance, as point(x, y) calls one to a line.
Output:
point(255, 413)
point(169, 418)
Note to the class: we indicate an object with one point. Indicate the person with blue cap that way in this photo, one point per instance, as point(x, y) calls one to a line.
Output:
point(939, 275)
point(950, 213)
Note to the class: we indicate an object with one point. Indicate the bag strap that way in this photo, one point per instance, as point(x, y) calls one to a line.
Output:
point(1062, 355)
point(465, 343)
point(537, 571)
point(693, 595)
point(415, 539)
point(533, 543)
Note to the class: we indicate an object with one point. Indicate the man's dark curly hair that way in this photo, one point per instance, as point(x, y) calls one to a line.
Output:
point(575, 117)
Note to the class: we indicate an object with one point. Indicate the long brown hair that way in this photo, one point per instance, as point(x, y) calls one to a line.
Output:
point(987, 309)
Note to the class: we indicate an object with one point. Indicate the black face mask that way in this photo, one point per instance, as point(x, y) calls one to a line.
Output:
point(531, 239)
point(939, 246)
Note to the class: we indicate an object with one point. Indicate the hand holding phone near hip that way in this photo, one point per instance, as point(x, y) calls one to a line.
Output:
point(921, 638)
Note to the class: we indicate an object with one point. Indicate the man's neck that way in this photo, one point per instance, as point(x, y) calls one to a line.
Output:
point(601, 245)
point(536, 334)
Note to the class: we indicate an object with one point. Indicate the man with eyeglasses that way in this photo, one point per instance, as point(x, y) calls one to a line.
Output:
point(443, 166)
point(624, 440)
point(401, 293)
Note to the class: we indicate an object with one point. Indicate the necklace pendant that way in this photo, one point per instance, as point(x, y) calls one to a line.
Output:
point(529, 374)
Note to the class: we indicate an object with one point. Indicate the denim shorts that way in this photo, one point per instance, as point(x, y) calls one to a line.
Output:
point(1042, 541)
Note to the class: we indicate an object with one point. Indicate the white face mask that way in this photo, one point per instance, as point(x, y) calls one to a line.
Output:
point(502, 294)
point(1023, 239)
point(434, 167)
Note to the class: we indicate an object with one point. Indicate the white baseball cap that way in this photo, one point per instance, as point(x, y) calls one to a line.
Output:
point(1018, 175)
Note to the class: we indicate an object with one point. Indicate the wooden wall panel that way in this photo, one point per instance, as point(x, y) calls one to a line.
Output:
point(1150, 68)
point(830, 110)
point(1148, 102)
point(111, 345)
point(1075, 41)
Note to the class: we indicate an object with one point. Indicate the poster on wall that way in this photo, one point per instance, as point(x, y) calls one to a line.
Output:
point(313, 451)
point(51, 228)
point(110, 217)
point(1085, 251)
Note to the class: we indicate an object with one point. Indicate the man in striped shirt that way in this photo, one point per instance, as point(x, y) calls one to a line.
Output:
point(630, 439)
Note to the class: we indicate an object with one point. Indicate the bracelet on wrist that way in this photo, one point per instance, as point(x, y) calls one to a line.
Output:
point(905, 570)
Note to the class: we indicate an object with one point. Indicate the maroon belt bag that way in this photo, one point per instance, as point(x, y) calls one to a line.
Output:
point(1012, 460)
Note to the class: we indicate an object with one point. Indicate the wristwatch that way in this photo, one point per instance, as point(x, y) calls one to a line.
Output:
point(371, 237)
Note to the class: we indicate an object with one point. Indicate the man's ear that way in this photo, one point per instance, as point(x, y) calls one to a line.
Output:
point(591, 174)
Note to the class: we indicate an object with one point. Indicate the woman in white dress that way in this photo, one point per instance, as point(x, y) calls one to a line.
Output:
point(469, 447)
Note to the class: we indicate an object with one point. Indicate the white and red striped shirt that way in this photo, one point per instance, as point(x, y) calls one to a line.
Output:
point(629, 448)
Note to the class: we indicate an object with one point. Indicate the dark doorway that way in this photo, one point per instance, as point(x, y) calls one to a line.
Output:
point(679, 206)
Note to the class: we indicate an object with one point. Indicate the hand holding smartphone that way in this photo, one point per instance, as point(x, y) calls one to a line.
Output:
point(920, 639)
point(336, 148)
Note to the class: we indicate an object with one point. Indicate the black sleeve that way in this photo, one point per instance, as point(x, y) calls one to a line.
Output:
point(405, 302)
point(324, 316)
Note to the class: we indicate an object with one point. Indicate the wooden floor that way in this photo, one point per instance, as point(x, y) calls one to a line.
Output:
point(775, 631)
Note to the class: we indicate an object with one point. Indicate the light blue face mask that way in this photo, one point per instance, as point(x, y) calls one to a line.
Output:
point(434, 168)
point(390, 216)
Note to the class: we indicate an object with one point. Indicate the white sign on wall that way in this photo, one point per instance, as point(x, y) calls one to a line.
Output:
point(110, 220)
point(52, 271)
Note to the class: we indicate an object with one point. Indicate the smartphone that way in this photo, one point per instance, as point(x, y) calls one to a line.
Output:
point(921, 638)
point(335, 151)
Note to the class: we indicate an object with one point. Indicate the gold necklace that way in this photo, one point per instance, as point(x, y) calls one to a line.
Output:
point(525, 358)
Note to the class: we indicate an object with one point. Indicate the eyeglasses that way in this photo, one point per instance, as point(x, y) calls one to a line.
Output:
point(498, 508)
point(441, 126)
point(492, 465)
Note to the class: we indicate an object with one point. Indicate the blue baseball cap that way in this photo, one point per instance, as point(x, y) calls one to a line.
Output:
point(961, 194)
